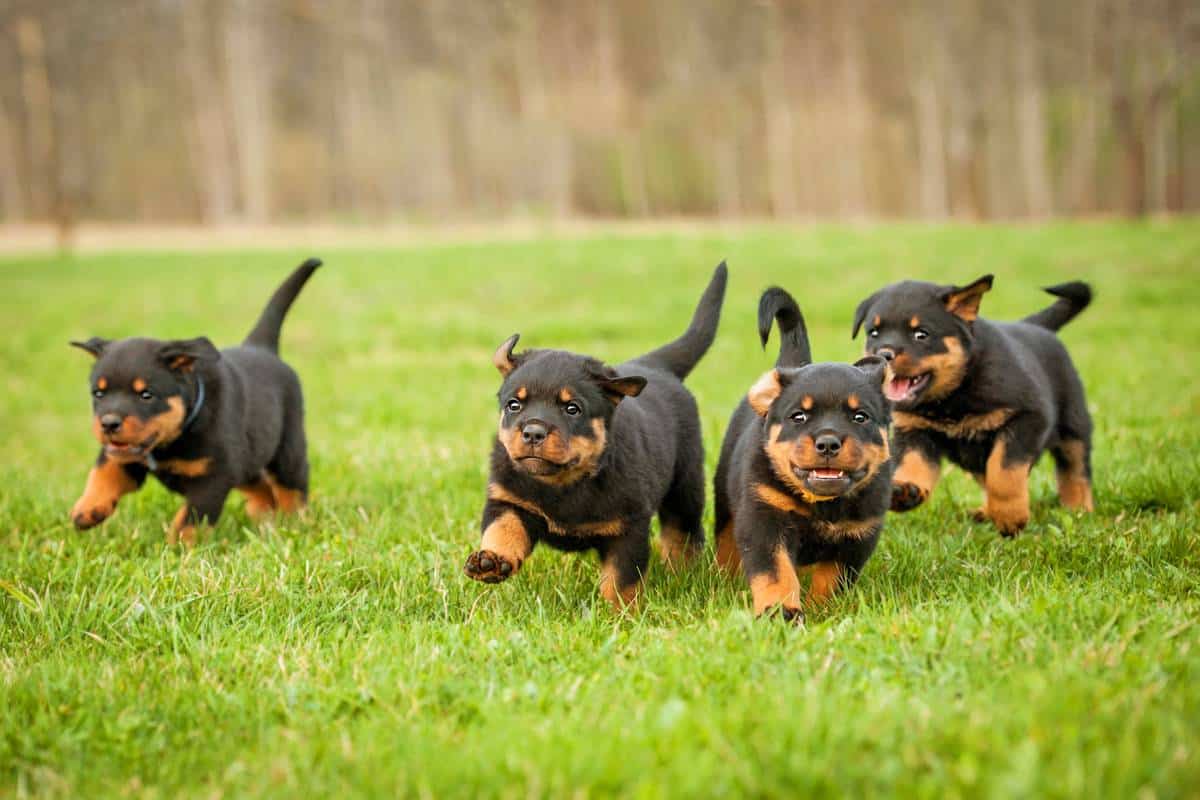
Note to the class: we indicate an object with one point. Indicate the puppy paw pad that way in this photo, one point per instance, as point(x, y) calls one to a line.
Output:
point(489, 567)
point(907, 496)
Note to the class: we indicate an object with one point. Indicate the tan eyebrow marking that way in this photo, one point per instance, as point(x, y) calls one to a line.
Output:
point(522, 393)
point(807, 403)
point(876, 321)
point(102, 383)
point(852, 401)
point(915, 322)
point(139, 385)
point(565, 395)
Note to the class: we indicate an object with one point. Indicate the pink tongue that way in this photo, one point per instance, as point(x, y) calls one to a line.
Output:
point(827, 473)
point(897, 388)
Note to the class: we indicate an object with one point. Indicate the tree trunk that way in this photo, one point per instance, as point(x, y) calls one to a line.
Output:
point(1031, 114)
point(213, 152)
point(780, 155)
point(41, 151)
point(250, 101)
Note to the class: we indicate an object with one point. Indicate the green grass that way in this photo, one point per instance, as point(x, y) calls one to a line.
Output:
point(345, 654)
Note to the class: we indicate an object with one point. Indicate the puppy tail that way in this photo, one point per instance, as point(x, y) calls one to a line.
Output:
point(1073, 297)
point(681, 355)
point(777, 306)
point(266, 332)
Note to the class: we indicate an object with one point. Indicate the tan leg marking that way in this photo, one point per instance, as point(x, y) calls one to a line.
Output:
point(289, 501)
point(1074, 488)
point(825, 577)
point(1007, 490)
point(782, 588)
point(260, 497)
point(106, 484)
point(914, 480)
point(504, 548)
point(728, 557)
point(675, 547)
point(182, 531)
point(620, 597)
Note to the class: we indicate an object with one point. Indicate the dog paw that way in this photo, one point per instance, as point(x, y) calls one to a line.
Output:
point(489, 567)
point(1010, 527)
point(86, 514)
point(789, 614)
point(907, 496)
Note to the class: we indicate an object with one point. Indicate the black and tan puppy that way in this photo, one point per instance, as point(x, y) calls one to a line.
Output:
point(990, 396)
point(586, 454)
point(804, 478)
point(203, 421)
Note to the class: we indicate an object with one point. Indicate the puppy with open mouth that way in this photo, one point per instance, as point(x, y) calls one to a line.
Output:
point(989, 396)
point(203, 421)
point(587, 454)
point(804, 477)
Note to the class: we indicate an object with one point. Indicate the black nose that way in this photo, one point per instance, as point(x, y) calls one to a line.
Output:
point(828, 444)
point(886, 353)
point(534, 433)
point(111, 422)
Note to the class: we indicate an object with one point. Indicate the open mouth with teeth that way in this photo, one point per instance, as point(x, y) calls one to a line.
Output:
point(826, 481)
point(135, 449)
point(902, 388)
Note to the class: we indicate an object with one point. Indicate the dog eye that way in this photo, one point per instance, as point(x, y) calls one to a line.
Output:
point(800, 417)
point(860, 417)
point(873, 333)
point(98, 393)
point(920, 334)
point(513, 406)
point(146, 395)
point(572, 409)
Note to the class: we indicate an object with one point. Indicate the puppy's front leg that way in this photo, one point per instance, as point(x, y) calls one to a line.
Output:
point(509, 534)
point(767, 563)
point(107, 483)
point(623, 563)
point(205, 501)
point(918, 469)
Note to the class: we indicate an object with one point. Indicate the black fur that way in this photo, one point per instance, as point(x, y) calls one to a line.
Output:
point(835, 523)
point(203, 421)
point(1000, 391)
point(593, 452)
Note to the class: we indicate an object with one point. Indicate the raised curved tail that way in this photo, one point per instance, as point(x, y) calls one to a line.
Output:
point(266, 331)
point(1073, 297)
point(681, 355)
point(777, 306)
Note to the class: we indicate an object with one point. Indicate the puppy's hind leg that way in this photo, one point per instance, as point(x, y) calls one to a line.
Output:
point(682, 536)
point(623, 563)
point(287, 472)
point(1073, 453)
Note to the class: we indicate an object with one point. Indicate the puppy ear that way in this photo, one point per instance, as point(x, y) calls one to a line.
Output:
point(766, 390)
point(878, 369)
point(503, 357)
point(181, 355)
point(94, 345)
point(860, 314)
point(963, 301)
point(617, 389)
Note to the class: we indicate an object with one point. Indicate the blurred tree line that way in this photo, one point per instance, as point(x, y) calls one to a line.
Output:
point(260, 110)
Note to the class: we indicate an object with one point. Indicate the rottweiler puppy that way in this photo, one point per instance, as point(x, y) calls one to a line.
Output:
point(586, 454)
point(804, 477)
point(202, 421)
point(990, 396)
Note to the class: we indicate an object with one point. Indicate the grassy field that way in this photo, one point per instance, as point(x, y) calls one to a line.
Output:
point(344, 653)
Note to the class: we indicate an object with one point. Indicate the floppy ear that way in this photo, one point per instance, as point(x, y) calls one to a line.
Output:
point(963, 301)
point(860, 314)
point(617, 389)
point(181, 355)
point(766, 390)
point(94, 345)
point(503, 357)
point(878, 369)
